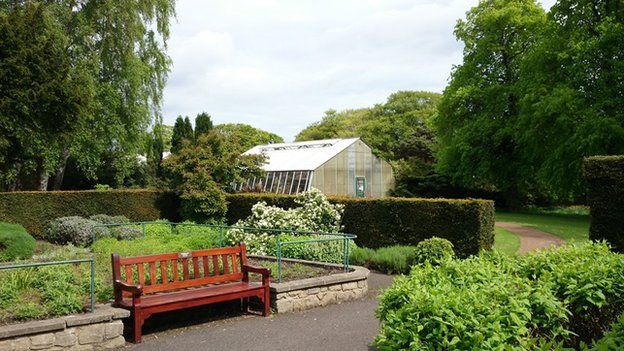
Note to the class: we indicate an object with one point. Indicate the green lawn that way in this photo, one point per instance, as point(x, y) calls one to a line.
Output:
point(570, 227)
point(506, 241)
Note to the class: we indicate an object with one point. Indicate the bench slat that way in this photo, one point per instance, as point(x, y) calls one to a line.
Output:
point(152, 273)
point(129, 277)
point(205, 264)
point(141, 274)
point(163, 272)
point(226, 268)
point(174, 268)
point(183, 284)
point(215, 266)
point(185, 269)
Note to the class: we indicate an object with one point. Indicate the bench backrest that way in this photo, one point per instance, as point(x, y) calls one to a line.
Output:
point(172, 271)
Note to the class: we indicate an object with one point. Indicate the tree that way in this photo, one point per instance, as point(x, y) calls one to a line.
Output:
point(343, 124)
point(203, 171)
point(182, 130)
point(117, 64)
point(203, 124)
point(478, 113)
point(243, 136)
point(573, 94)
point(45, 98)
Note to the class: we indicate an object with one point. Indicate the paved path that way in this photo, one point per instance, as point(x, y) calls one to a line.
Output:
point(345, 327)
point(531, 238)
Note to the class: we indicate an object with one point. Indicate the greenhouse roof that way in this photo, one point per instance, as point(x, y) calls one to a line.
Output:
point(300, 156)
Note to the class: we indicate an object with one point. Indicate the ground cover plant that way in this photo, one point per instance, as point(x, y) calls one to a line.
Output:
point(15, 242)
point(562, 297)
point(569, 227)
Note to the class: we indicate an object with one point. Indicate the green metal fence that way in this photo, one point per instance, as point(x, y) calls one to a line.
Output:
point(57, 263)
point(278, 233)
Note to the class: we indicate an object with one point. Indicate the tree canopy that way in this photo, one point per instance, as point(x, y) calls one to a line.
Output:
point(244, 136)
point(98, 70)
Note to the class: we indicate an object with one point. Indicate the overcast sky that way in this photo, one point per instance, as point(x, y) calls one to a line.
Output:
point(278, 65)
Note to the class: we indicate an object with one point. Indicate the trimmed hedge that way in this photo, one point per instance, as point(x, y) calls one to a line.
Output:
point(605, 195)
point(468, 224)
point(34, 210)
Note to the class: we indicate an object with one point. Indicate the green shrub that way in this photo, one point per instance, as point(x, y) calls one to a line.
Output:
point(75, 230)
point(391, 260)
point(35, 209)
point(605, 196)
point(613, 339)
point(106, 219)
point(381, 222)
point(433, 250)
point(15, 242)
point(565, 295)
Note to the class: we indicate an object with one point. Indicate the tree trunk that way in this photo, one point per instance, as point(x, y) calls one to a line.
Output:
point(44, 176)
point(60, 170)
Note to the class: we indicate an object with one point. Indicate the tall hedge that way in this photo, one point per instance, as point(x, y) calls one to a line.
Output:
point(34, 210)
point(468, 224)
point(605, 196)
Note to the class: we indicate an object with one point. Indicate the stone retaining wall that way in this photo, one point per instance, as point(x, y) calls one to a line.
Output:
point(309, 293)
point(100, 330)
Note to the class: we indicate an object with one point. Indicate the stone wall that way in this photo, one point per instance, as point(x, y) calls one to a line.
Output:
point(309, 293)
point(100, 330)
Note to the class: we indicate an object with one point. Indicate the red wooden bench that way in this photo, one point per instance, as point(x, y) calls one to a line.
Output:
point(165, 282)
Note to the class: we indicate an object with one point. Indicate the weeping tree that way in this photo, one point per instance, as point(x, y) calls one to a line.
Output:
point(78, 79)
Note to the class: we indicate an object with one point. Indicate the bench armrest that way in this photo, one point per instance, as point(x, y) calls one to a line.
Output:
point(134, 289)
point(255, 269)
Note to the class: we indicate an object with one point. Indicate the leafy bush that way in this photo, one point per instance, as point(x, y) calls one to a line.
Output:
point(434, 251)
point(313, 214)
point(391, 260)
point(613, 339)
point(565, 295)
point(15, 242)
point(381, 222)
point(106, 219)
point(605, 195)
point(75, 230)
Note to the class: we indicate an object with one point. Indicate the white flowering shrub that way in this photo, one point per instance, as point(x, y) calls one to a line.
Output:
point(314, 214)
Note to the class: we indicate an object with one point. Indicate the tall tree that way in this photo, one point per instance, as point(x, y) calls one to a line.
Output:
point(574, 94)
point(182, 130)
point(117, 47)
point(203, 124)
point(343, 124)
point(243, 136)
point(479, 109)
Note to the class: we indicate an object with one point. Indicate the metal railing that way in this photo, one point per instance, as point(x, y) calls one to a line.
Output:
point(222, 229)
point(58, 263)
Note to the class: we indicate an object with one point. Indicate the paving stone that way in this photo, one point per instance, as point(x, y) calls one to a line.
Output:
point(88, 318)
point(90, 334)
point(6, 345)
point(21, 344)
point(65, 338)
point(28, 328)
point(349, 286)
point(114, 329)
point(41, 341)
point(113, 343)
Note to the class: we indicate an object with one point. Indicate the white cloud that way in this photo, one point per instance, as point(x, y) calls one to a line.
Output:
point(279, 64)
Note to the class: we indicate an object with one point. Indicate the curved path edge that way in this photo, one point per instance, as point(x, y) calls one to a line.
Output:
point(530, 238)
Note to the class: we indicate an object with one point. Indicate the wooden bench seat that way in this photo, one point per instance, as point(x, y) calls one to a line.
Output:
point(166, 282)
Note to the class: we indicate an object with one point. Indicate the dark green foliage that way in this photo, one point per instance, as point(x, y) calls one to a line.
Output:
point(468, 224)
point(182, 130)
point(72, 230)
point(15, 242)
point(34, 210)
point(613, 339)
point(433, 250)
point(605, 195)
point(203, 124)
point(566, 295)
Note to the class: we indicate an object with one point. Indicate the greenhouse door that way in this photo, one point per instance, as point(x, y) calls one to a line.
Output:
point(360, 186)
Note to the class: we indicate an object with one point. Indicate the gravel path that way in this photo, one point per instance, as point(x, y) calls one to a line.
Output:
point(345, 327)
point(531, 238)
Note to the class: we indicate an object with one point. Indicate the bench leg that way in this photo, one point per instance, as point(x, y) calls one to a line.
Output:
point(245, 304)
point(137, 324)
point(267, 302)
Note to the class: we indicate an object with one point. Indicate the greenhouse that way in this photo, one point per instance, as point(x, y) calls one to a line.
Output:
point(345, 167)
